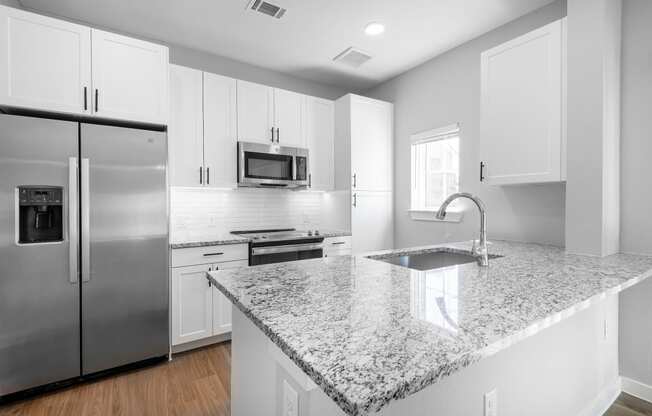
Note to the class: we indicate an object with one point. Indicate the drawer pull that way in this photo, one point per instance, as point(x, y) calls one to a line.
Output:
point(338, 243)
point(212, 254)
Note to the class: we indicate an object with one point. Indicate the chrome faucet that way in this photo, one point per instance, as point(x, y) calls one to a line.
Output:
point(479, 250)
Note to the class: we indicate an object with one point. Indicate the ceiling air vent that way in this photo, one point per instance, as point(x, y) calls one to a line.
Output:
point(266, 8)
point(352, 57)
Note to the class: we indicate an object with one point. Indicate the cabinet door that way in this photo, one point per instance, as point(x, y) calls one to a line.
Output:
point(255, 112)
point(371, 144)
point(130, 78)
point(320, 135)
point(220, 138)
point(288, 116)
point(45, 63)
point(521, 108)
point(192, 304)
point(221, 304)
point(372, 223)
point(185, 131)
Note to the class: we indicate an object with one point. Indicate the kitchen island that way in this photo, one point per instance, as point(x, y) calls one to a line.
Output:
point(351, 335)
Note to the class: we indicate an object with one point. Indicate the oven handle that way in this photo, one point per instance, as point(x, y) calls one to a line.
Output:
point(285, 249)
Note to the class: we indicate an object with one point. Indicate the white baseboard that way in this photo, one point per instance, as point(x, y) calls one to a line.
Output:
point(201, 343)
point(604, 400)
point(637, 389)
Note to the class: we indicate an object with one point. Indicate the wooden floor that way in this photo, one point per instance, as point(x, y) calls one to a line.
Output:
point(195, 383)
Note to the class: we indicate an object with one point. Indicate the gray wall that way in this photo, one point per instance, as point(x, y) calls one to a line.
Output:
point(636, 183)
point(446, 90)
point(240, 70)
point(12, 3)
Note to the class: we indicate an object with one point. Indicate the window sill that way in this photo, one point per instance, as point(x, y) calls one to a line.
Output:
point(430, 215)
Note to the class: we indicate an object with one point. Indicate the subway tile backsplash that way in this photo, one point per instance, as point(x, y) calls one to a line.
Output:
point(197, 214)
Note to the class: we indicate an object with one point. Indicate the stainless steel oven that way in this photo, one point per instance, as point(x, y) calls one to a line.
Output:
point(272, 166)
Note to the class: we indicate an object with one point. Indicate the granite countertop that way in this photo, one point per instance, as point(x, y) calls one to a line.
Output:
point(228, 238)
point(368, 332)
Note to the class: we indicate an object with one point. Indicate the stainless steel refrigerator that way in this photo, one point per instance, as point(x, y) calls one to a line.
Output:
point(83, 249)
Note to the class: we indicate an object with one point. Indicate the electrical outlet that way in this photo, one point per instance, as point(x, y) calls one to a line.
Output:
point(290, 400)
point(491, 403)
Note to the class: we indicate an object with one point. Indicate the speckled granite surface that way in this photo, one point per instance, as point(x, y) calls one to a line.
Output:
point(368, 332)
point(229, 238)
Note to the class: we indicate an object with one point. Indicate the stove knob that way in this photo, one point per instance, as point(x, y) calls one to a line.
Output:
point(309, 233)
point(316, 232)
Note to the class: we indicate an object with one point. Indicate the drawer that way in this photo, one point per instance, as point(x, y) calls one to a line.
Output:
point(209, 254)
point(337, 243)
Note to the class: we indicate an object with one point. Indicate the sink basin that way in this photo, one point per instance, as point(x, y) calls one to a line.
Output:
point(429, 260)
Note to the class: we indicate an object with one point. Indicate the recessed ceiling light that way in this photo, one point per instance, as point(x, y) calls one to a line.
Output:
point(375, 28)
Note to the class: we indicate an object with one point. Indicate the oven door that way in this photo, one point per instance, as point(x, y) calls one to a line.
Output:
point(265, 165)
point(285, 252)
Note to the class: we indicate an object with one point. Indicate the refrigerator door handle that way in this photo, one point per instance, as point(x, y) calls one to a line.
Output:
point(73, 220)
point(85, 220)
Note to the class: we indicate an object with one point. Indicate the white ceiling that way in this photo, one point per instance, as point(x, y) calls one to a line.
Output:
point(310, 34)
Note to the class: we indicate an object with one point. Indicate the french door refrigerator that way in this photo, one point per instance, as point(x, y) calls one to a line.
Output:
point(83, 249)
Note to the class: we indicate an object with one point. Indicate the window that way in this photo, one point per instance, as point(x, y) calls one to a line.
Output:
point(435, 167)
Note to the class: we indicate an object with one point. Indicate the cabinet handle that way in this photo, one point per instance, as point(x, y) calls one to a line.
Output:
point(212, 254)
point(201, 177)
point(482, 166)
point(355, 180)
point(337, 243)
point(355, 200)
point(208, 176)
point(97, 99)
point(85, 98)
point(272, 134)
point(210, 283)
point(278, 135)
point(310, 180)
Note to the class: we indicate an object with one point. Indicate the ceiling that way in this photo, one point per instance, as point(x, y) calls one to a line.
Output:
point(311, 33)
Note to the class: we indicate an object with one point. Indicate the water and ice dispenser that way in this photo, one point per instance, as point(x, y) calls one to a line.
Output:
point(40, 214)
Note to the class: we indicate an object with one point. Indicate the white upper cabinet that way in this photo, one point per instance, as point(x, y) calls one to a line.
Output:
point(255, 112)
point(371, 144)
point(185, 130)
point(319, 126)
point(45, 63)
point(130, 78)
point(288, 116)
point(220, 136)
point(521, 115)
point(48, 64)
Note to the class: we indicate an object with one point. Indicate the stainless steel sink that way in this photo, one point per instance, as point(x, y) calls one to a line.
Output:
point(428, 260)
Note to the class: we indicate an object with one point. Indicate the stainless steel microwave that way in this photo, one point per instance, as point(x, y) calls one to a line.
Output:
point(272, 166)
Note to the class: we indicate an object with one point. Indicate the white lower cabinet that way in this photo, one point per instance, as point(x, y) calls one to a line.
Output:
point(199, 310)
point(192, 304)
point(372, 221)
point(337, 246)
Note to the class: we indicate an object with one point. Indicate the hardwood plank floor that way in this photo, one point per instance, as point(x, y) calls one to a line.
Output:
point(195, 383)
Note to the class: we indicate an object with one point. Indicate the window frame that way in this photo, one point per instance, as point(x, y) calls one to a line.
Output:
point(422, 213)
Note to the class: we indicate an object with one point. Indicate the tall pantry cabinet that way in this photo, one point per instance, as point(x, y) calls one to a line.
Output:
point(364, 159)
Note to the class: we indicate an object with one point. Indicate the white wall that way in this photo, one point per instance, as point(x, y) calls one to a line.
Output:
point(446, 90)
point(636, 183)
point(203, 214)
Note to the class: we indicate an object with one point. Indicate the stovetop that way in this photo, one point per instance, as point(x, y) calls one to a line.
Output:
point(277, 235)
